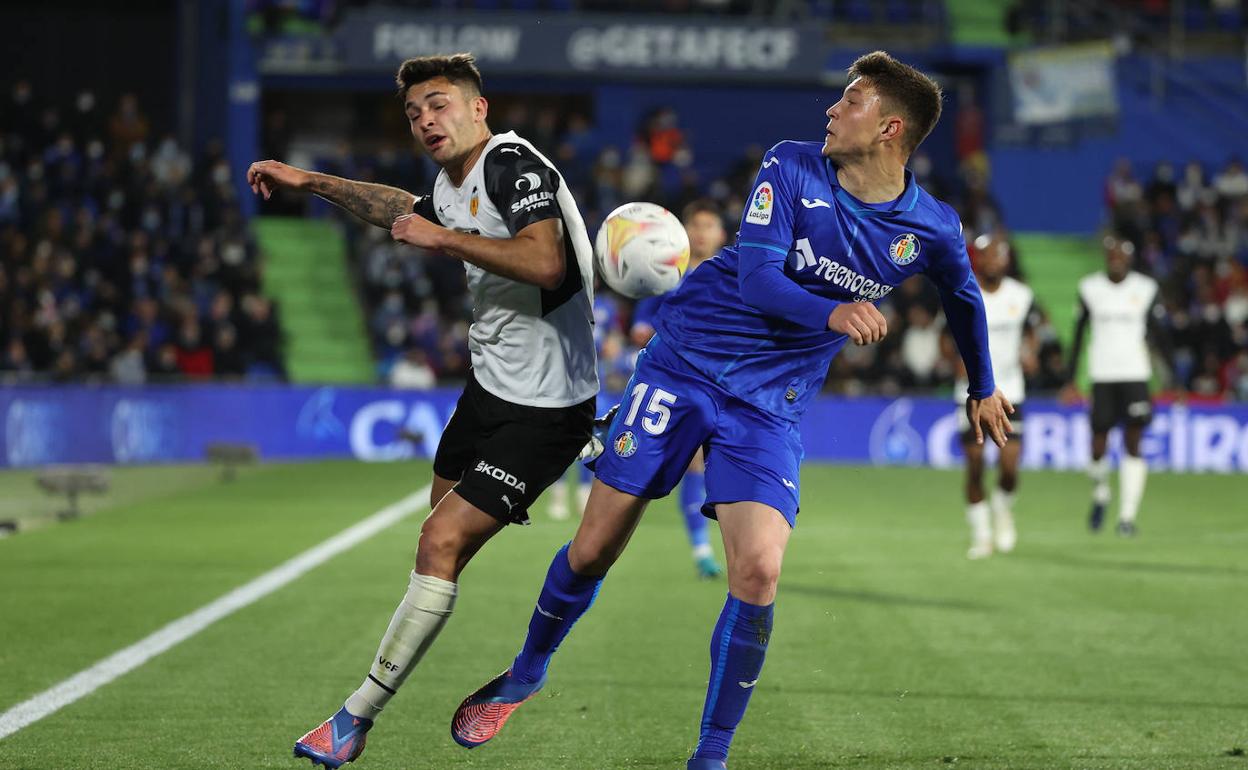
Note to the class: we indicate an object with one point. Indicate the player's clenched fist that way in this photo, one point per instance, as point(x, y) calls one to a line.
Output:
point(416, 230)
point(862, 321)
point(265, 176)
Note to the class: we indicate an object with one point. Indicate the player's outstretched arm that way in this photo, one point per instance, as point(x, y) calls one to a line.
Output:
point(992, 413)
point(376, 204)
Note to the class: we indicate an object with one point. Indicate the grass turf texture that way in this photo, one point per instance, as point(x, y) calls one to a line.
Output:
point(890, 649)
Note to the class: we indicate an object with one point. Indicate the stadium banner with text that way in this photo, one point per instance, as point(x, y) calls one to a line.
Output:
point(51, 425)
point(376, 39)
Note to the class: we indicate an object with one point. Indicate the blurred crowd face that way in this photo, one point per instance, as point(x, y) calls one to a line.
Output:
point(1119, 254)
point(447, 120)
point(706, 237)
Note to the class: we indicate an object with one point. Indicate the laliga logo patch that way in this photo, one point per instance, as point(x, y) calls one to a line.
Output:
point(904, 249)
point(626, 444)
point(474, 203)
point(760, 205)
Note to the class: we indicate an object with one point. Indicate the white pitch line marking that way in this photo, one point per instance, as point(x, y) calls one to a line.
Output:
point(124, 661)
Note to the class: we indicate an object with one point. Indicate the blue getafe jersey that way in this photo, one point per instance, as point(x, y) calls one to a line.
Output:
point(833, 246)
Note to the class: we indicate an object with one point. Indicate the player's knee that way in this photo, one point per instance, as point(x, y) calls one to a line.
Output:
point(754, 579)
point(439, 548)
point(589, 556)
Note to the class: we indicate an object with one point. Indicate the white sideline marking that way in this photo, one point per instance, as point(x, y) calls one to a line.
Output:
point(124, 661)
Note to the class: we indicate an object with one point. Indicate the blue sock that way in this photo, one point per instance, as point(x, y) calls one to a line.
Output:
point(564, 599)
point(692, 495)
point(738, 647)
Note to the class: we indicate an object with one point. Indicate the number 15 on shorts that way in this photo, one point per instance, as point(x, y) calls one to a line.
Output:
point(657, 414)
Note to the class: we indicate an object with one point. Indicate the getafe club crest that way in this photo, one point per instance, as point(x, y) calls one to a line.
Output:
point(626, 444)
point(904, 249)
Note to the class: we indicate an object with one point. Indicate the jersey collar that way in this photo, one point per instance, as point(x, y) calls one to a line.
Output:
point(904, 203)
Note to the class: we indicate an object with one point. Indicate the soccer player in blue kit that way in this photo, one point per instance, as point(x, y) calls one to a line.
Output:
point(742, 346)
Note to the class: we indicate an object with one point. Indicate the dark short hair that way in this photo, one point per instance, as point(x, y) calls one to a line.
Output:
point(904, 89)
point(699, 206)
point(460, 69)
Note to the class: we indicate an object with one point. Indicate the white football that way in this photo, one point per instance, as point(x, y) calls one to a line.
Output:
point(642, 250)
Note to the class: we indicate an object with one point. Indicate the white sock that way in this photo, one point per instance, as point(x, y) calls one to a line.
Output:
point(1002, 504)
point(977, 517)
point(416, 623)
point(704, 551)
point(1132, 474)
point(1004, 535)
point(1098, 471)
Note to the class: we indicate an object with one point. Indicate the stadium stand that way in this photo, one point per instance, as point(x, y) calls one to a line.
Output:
point(124, 258)
point(1191, 231)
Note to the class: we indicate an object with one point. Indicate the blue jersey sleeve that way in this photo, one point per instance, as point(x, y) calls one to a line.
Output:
point(964, 310)
point(768, 216)
point(765, 287)
point(763, 245)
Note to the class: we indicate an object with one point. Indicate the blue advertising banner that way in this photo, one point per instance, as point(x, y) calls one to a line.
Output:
point(46, 425)
point(375, 39)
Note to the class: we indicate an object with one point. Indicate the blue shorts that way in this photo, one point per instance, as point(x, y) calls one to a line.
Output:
point(669, 410)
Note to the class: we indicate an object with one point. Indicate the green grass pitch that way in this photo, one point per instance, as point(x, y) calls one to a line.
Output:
point(890, 649)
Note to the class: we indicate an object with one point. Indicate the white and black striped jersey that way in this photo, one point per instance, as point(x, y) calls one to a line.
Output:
point(529, 346)
point(1120, 315)
point(1007, 310)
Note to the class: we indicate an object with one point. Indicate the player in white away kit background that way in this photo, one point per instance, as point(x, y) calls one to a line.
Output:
point(528, 407)
point(1122, 307)
point(1008, 305)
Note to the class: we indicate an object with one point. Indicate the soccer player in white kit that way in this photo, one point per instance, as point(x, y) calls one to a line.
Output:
point(527, 410)
point(1122, 308)
point(1008, 304)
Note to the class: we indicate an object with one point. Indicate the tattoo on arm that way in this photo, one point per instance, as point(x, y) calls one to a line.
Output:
point(374, 203)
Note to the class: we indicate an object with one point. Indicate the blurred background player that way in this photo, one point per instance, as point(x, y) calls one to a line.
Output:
point(705, 227)
point(1122, 307)
point(1008, 305)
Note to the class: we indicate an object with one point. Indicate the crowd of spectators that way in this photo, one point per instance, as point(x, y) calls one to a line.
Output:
point(122, 258)
point(1190, 228)
point(125, 259)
